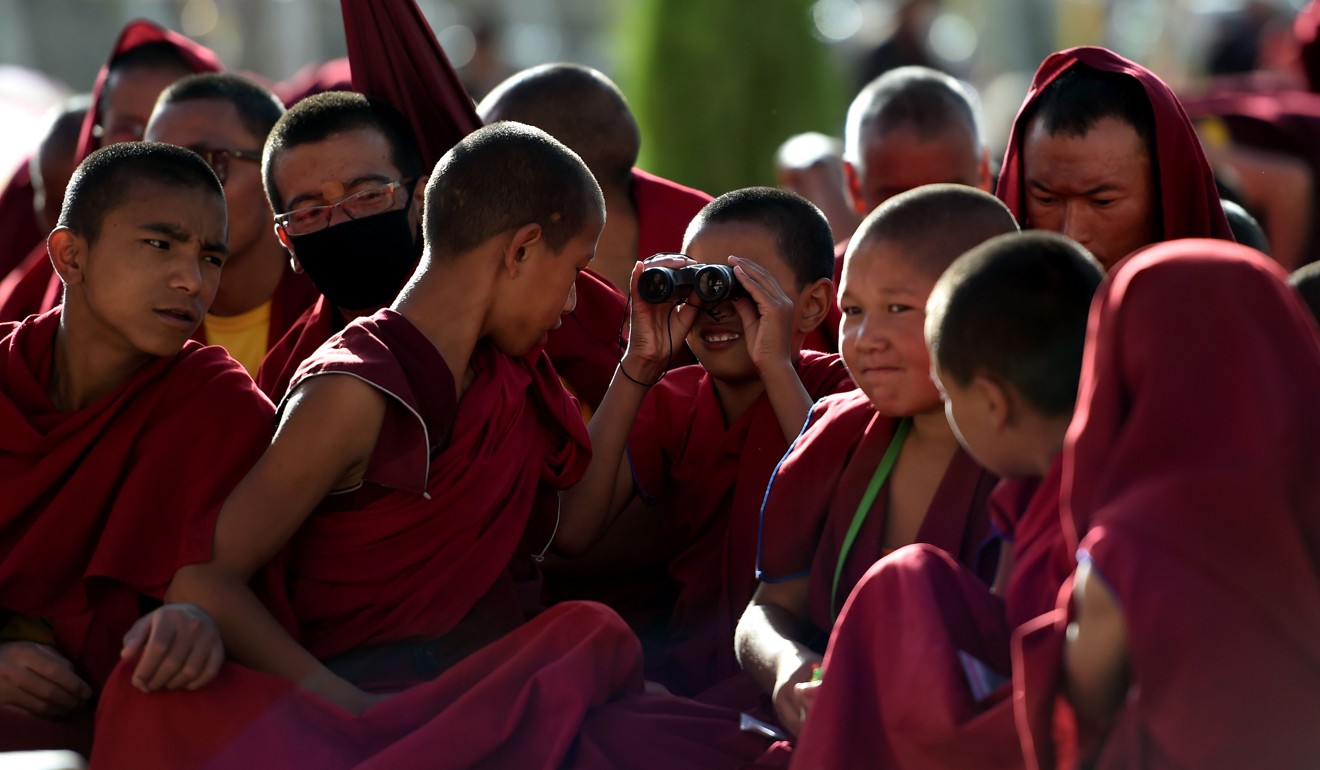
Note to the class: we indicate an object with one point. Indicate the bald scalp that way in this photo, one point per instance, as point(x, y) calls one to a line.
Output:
point(502, 177)
point(577, 105)
point(933, 225)
point(920, 99)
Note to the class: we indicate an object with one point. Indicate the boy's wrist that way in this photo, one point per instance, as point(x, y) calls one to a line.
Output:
point(641, 371)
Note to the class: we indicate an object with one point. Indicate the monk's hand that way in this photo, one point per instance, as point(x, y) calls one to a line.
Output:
point(655, 330)
point(35, 679)
point(767, 317)
point(180, 647)
point(789, 703)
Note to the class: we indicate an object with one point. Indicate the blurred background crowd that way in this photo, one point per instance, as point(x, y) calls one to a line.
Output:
point(717, 85)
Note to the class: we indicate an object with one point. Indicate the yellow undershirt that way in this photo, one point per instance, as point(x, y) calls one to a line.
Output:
point(243, 335)
point(25, 628)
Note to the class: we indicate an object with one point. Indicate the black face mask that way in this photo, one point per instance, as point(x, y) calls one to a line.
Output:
point(360, 263)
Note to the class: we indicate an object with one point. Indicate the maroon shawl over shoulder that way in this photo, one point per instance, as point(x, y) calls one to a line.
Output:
point(104, 504)
point(815, 492)
point(1189, 482)
point(458, 484)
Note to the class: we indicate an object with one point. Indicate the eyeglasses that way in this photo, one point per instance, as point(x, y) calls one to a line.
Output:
point(368, 202)
point(218, 158)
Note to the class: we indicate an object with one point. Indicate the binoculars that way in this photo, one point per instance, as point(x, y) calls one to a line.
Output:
point(711, 283)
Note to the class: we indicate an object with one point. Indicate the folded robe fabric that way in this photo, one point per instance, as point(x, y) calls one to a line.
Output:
point(451, 488)
point(1189, 200)
point(519, 702)
point(711, 480)
point(816, 489)
point(33, 287)
point(1189, 483)
point(102, 505)
point(896, 691)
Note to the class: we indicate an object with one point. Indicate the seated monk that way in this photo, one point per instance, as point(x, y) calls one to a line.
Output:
point(698, 444)
point(108, 487)
point(917, 669)
point(405, 486)
point(225, 118)
point(876, 469)
point(1191, 633)
point(344, 176)
point(1102, 152)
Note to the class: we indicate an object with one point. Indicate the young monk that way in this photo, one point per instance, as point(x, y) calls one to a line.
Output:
point(1193, 628)
point(402, 512)
point(108, 488)
point(909, 127)
point(585, 110)
point(700, 442)
point(145, 59)
point(343, 173)
point(225, 118)
point(911, 670)
point(886, 447)
point(1102, 152)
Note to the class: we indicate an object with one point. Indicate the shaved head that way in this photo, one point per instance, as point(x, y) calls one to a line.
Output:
point(921, 99)
point(933, 225)
point(577, 105)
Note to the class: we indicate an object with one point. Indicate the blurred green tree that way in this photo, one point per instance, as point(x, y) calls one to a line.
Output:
point(717, 85)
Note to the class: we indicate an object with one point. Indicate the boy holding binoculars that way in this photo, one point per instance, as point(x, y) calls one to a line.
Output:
point(698, 444)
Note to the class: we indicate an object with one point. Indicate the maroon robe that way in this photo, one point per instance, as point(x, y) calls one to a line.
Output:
point(1189, 200)
point(33, 287)
point(711, 480)
point(20, 232)
point(102, 505)
point(451, 488)
point(895, 692)
point(1205, 530)
point(814, 495)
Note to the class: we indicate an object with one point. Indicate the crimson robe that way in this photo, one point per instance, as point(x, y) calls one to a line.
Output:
point(1189, 200)
point(895, 692)
point(20, 232)
point(450, 490)
point(102, 505)
point(33, 287)
point(817, 487)
point(1205, 531)
point(711, 480)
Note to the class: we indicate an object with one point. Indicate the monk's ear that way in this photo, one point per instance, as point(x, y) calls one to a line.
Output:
point(998, 401)
point(288, 246)
point(68, 253)
point(814, 303)
point(519, 249)
point(853, 181)
point(985, 181)
point(419, 196)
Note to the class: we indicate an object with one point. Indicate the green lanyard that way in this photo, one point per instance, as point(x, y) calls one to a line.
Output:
point(872, 490)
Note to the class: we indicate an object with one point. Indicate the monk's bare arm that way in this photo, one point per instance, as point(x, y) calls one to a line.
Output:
point(607, 486)
point(788, 398)
point(1095, 656)
point(324, 441)
point(588, 508)
point(769, 645)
